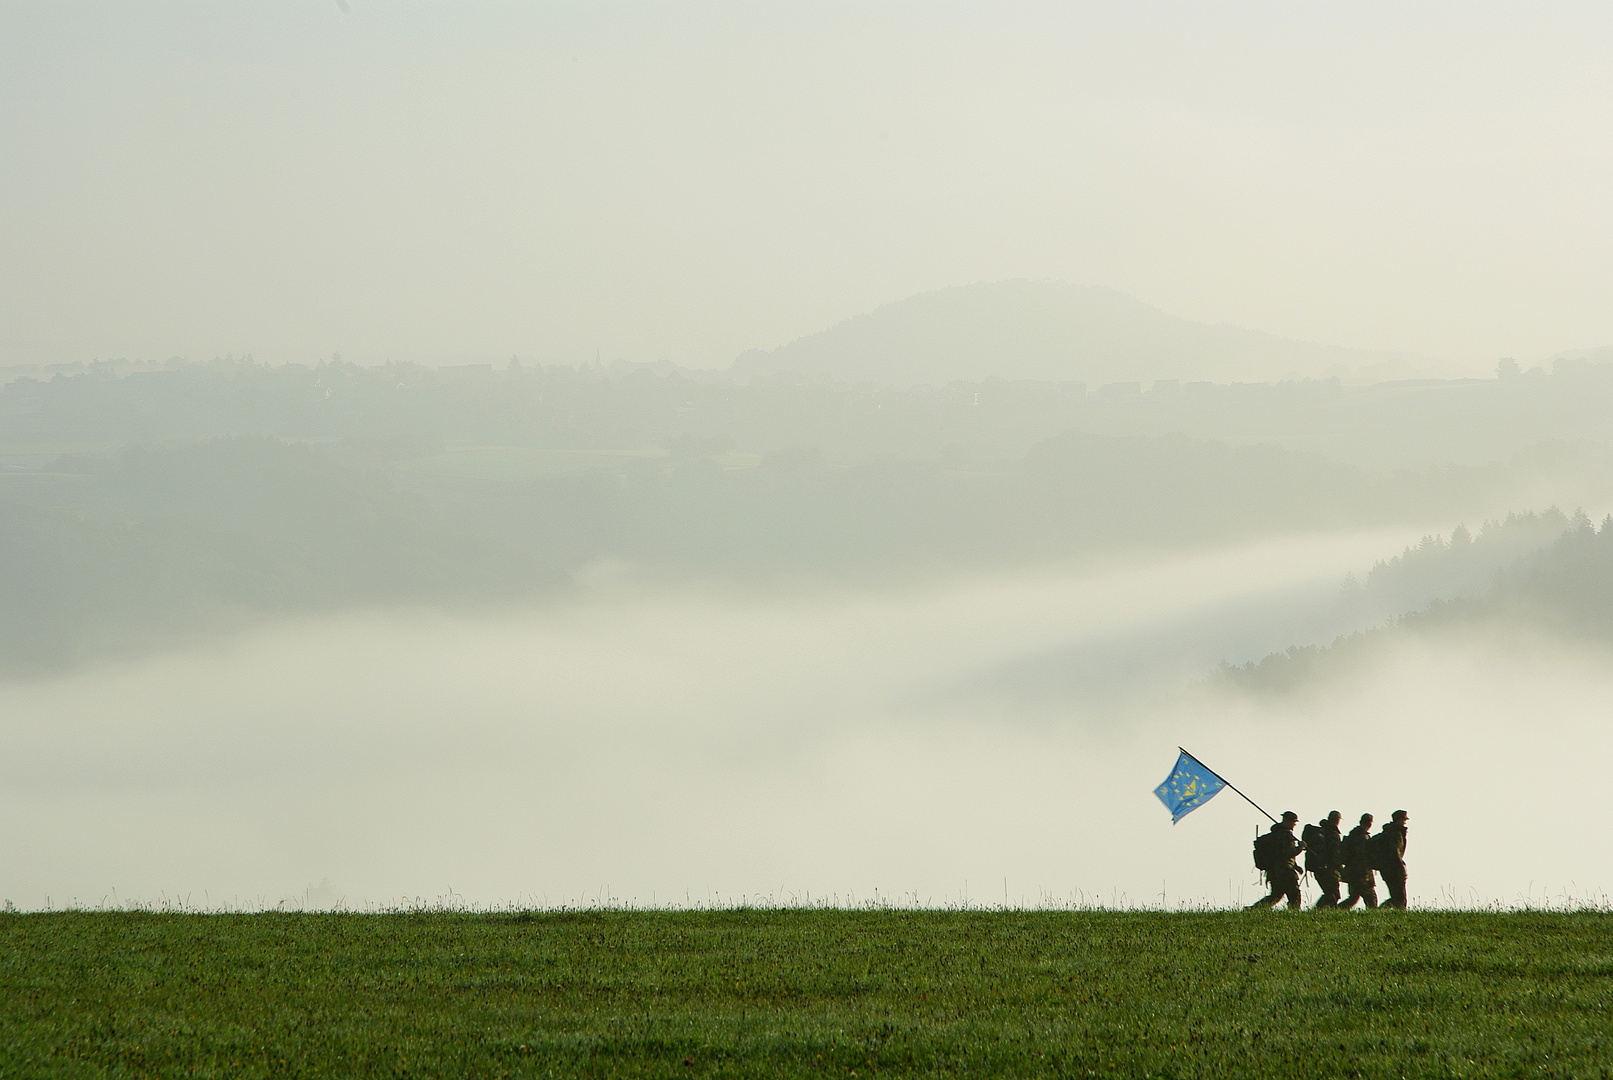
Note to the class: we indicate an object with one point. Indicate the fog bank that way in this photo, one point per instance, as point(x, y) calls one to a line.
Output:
point(691, 748)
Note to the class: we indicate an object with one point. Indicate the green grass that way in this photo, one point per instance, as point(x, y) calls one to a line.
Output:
point(807, 993)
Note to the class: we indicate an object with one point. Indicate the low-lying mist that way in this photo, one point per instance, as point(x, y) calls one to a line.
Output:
point(992, 740)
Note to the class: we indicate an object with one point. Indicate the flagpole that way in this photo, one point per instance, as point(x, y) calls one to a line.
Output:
point(1228, 783)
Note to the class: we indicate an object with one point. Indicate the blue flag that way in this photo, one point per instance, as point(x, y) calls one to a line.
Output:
point(1189, 786)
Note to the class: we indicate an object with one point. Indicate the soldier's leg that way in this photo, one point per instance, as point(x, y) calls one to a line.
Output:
point(1292, 891)
point(1396, 884)
point(1278, 891)
point(1355, 892)
point(1369, 890)
point(1328, 882)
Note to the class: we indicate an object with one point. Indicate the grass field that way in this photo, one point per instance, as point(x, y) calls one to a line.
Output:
point(807, 993)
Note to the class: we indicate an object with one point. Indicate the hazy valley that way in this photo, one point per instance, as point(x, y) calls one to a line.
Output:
point(694, 637)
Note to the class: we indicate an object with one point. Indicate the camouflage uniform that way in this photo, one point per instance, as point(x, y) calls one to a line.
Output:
point(1358, 868)
point(1284, 877)
point(1322, 860)
point(1392, 864)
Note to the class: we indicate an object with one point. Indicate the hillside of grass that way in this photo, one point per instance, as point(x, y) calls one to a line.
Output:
point(807, 993)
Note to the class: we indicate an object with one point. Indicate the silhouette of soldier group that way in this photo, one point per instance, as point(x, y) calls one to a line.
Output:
point(1332, 859)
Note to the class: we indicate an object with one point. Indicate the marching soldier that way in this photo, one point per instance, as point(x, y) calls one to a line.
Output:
point(1390, 848)
point(1274, 854)
point(1322, 847)
point(1357, 866)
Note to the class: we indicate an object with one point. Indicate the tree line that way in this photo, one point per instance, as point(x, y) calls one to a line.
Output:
point(1564, 586)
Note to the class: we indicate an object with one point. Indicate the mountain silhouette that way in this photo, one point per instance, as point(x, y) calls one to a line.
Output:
point(1042, 330)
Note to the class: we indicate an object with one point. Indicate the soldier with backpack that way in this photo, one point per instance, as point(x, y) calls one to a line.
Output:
point(1322, 844)
point(1389, 858)
point(1274, 856)
point(1357, 866)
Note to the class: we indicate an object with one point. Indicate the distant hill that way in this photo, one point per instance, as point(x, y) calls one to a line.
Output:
point(1046, 331)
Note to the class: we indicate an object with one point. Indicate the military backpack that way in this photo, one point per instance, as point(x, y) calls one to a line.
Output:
point(1268, 851)
point(1353, 852)
point(1381, 853)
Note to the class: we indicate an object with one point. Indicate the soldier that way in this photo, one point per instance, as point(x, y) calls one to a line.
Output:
point(1274, 853)
point(1322, 845)
point(1357, 867)
point(1390, 848)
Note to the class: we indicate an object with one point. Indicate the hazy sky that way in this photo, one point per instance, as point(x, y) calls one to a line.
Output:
point(688, 180)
